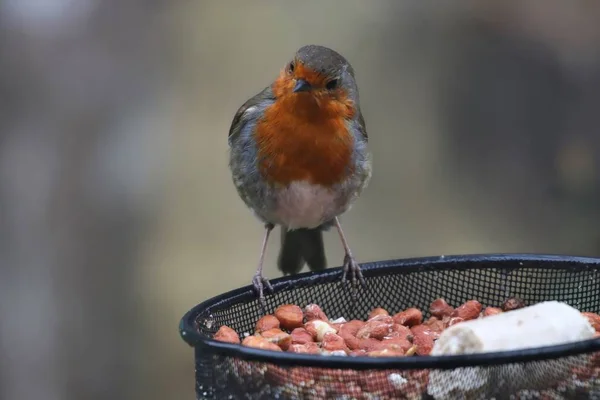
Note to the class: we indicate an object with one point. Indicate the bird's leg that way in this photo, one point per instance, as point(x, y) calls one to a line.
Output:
point(259, 281)
point(350, 265)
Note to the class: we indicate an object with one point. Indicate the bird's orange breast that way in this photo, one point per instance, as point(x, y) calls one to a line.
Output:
point(305, 138)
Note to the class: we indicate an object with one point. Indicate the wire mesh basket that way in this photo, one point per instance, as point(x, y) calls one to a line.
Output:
point(569, 371)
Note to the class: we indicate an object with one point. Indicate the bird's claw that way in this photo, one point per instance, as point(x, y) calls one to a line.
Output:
point(260, 283)
point(352, 268)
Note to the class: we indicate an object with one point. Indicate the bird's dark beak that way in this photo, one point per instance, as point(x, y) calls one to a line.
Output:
point(302, 86)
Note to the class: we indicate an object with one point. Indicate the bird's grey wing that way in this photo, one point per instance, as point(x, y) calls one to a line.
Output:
point(248, 111)
point(243, 154)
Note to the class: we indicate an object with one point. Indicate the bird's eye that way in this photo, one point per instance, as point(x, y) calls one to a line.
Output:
point(332, 84)
point(291, 67)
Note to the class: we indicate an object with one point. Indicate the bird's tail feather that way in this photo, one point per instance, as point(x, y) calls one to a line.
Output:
point(301, 246)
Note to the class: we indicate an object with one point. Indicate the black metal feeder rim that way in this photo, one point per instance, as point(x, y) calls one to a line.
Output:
point(190, 334)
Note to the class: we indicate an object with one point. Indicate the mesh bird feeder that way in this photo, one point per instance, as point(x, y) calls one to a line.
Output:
point(565, 371)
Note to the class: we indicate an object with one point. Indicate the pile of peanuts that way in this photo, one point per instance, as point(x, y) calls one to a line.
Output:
point(405, 333)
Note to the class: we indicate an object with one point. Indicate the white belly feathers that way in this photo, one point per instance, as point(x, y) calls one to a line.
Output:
point(305, 205)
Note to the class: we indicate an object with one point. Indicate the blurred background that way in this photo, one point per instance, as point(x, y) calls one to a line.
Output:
point(117, 210)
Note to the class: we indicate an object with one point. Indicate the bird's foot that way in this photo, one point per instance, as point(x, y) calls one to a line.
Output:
point(352, 274)
point(261, 283)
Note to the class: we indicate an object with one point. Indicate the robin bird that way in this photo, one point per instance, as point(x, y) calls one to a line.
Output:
point(299, 159)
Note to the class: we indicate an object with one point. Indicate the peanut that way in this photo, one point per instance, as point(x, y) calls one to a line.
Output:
point(318, 329)
point(301, 336)
point(279, 337)
point(351, 341)
point(440, 309)
point(435, 324)
point(375, 328)
point(399, 331)
point(385, 353)
point(397, 344)
point(489, 311)
point(260, 343)
point(423, 339)
point(454, 321)
point(351, 327)
point(267, 322)
point(307, 348)
point(333, 342)
point(409, 317)
point(313, 311)
point(377, 311)
point(227, 335)
point(513, 303)
point(290, 316)
point(468, 311)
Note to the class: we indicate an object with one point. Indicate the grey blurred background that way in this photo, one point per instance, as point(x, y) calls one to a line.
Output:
point(117, 212)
